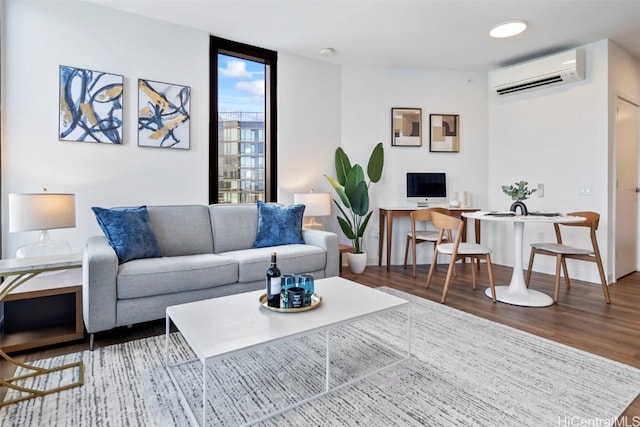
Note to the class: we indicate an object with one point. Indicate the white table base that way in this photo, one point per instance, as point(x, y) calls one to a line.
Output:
point(527, 298)
point(517, 292)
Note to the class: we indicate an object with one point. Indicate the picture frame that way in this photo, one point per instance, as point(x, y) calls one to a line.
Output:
point(444, 133)
point(90, 105)
point(406, 127)
point(163, 115)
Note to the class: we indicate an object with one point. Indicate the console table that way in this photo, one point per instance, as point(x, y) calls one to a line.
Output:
point(16, 272)
point(387, 215)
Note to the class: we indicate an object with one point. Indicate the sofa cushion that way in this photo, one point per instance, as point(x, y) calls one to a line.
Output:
point(156, 276)
point(128, 232)
point(291, 259)
point(182, 230)
point(278, 225)
point(234, 226)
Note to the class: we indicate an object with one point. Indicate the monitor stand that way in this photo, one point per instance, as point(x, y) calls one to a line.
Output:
point(423, 204)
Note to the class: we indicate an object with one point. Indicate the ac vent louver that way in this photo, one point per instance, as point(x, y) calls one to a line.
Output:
point(554, 70)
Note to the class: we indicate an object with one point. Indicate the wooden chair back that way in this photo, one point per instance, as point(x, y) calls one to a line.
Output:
point(423, 215)
point(447, 223)
point(592, 221)
point(419, 215)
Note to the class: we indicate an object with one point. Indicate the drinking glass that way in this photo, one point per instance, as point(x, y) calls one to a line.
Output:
point(306, 281)
point(287, 281)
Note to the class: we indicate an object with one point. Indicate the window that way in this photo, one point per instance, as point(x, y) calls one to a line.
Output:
point(242, 129)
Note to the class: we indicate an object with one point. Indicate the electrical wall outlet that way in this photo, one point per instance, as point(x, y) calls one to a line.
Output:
point(541, 236)
point(540, 191)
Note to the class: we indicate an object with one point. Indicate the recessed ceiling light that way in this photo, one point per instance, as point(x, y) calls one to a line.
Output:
point(508, 28)
point(327, 51)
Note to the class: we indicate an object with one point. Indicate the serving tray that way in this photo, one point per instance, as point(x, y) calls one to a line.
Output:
point(315, 302)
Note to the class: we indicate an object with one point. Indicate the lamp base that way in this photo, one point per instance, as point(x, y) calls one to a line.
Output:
point(44, 247)
point(313, 224)
point(53, 247)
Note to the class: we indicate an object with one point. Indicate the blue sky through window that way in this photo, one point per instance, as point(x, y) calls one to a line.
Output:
point(240, 85)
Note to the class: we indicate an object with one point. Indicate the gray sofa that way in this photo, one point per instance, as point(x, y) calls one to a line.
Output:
point(207, 252)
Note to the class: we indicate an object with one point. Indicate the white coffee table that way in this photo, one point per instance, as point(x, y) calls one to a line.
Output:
point(243, 325)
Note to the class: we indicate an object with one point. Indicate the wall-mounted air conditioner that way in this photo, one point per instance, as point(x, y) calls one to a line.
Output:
point(554, 70)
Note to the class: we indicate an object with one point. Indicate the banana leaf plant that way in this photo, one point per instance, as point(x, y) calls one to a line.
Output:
point(353, 190)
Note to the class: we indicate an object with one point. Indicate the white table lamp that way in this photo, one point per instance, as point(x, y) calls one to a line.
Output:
point(316, 204)
point(42, 211)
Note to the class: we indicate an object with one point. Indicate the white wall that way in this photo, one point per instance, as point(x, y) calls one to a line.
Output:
point(368, 95)
point(41, 36)
point(308, 125)
point(624, 82)
point(559, 137)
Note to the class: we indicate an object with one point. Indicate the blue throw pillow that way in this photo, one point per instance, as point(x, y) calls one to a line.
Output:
point(278, 226)
point(128, 232)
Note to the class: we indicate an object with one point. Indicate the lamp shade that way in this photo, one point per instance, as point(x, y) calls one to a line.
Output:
point(316, 204)
point(41, 211)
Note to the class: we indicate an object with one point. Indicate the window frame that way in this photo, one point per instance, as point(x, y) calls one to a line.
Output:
point(269, 58)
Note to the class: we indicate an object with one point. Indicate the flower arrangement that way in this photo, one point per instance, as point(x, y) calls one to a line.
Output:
point(519, 192)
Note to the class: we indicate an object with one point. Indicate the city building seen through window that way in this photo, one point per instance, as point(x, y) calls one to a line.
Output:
point(245, 149)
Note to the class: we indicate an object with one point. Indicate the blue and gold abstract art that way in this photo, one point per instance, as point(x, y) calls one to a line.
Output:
point(163, 114)
point(90, 106)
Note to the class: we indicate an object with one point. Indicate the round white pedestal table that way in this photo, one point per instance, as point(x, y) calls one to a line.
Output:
point(516, 292)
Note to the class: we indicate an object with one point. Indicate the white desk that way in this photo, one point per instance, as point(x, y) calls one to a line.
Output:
point(388, 213)
point(517, 292)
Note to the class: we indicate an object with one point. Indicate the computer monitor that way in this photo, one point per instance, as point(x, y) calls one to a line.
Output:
point(426, 184)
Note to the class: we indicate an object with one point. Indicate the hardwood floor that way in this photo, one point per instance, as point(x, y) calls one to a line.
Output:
point(581, 319)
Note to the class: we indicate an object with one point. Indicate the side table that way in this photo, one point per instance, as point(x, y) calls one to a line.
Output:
point(16, 273)
point(43, 311)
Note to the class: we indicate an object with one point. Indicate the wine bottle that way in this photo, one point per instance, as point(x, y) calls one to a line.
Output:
point(273, 283)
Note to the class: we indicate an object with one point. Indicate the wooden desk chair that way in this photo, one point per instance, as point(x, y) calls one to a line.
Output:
point(415, 236)
point(562, 251)
point(457, 250)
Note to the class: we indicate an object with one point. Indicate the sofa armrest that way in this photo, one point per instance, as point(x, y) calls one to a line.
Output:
point(327, 241)
point(99, 272)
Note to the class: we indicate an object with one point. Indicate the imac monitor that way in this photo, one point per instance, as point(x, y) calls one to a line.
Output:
point(426, 184)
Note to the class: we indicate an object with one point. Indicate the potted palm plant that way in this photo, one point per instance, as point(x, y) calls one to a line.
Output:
point(353, 191)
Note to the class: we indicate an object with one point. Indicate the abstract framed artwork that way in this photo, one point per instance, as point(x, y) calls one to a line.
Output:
point(163, 114)
point(444, 133)
point(406, 127)
point(90, 106)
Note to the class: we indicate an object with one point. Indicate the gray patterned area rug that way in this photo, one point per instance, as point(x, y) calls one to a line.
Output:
point(464, 371)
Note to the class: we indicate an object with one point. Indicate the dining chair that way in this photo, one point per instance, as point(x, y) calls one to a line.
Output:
point(562, 252)
point(457, 250)
point(415, 236)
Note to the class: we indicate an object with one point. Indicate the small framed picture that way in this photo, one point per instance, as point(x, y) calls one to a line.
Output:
point(406, 127)
point(444, 133)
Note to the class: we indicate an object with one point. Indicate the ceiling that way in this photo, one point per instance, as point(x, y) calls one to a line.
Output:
point(427, 34)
